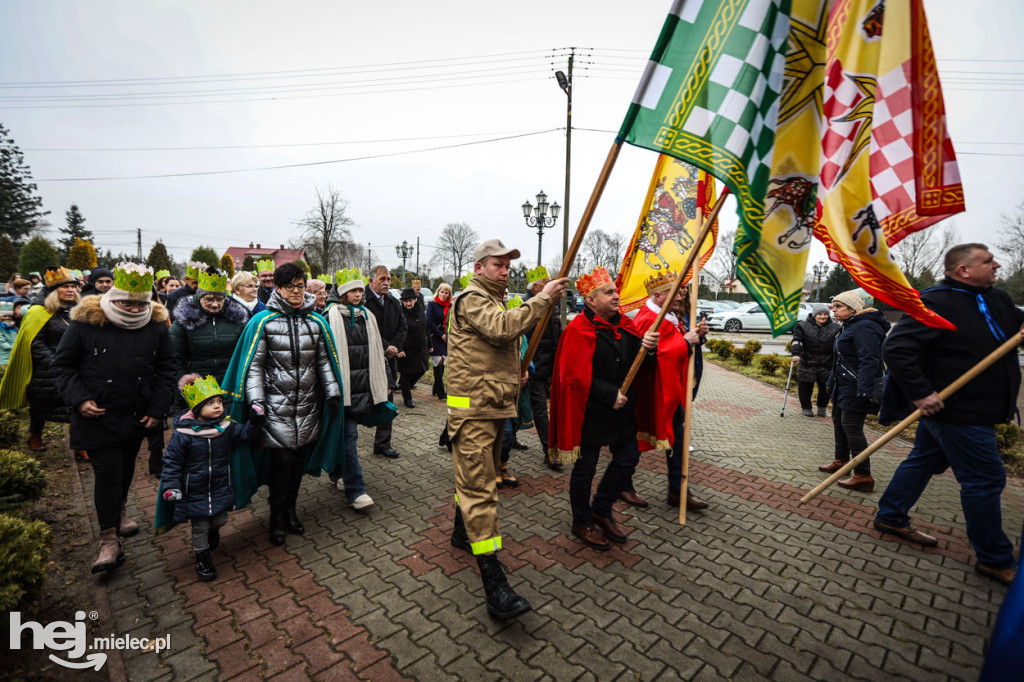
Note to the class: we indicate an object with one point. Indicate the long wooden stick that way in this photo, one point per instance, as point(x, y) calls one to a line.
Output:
point(705, 230)
point(984, 364)
point(574, 247)
point(688, 397)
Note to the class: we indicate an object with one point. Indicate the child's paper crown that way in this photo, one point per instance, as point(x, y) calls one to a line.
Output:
point(199, 390)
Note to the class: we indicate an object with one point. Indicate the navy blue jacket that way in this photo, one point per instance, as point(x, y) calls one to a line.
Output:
point(857, 361)
point(200, 466)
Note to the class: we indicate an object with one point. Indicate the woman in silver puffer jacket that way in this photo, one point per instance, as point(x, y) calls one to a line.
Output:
point(290, 376)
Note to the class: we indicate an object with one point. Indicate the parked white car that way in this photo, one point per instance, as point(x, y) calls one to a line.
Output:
point(748, 317)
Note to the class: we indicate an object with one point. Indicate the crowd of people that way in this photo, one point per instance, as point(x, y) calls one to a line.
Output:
point(267, 377)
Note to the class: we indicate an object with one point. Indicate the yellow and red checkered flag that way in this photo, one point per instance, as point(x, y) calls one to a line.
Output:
point(667, 229)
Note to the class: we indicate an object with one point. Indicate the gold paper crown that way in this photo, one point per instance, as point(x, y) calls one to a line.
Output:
point(416, 283)
point(326, 279)
point(537, 274)
point(265, 265)
point(193, 269)
point(200, 390)
point(514, 301)
point(466, 279)
point(347, 275)
point(54, 277)
point(162, 273)
point(134, 278)
point(214, 282)
point(661, 281)
point(589, 282)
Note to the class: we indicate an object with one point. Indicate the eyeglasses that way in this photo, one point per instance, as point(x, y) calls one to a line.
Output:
point(133, 306)
point(293, 287)
point(247, 286)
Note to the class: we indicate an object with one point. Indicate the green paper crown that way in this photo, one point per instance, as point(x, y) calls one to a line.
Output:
point(193, 269)
point(466, 279)
point(162, 273)
point(347, 275)
point(326, 279)
point(77, 274)
point(214, 282)
point(537, 274)
point(265, 265)
point(514, 301)
point(200, 390)
point(134, 278)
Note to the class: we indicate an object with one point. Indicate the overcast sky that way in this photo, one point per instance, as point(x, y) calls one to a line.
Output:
point(354, 73)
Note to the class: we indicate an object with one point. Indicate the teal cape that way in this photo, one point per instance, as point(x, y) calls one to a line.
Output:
point(251, 464)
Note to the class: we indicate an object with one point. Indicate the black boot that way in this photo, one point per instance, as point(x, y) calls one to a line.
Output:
point(278, 525)
point(439, 382)
point(295, 526)
point(502, 601)
point(214, 538)
point(156, 462)
point(459, 537)
point(204, 567)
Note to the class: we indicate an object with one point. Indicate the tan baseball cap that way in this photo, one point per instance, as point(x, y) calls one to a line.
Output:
point(494, 247)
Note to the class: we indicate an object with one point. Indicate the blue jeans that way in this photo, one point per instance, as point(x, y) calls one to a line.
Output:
point(351, 472)
point(507, 439)
point(614, 481)
point(972, 453)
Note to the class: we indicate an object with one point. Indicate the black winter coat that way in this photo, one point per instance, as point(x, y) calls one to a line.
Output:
point(203, 342)
point(391, 321)
point(128, 372)
point(200, 466)
point(857, 361)
point(358, 366)
point(181, 292)
point(415, 346)
point(544, 358)
point(435, 329)
point(923, 359)
point(44, 402)
point(812, 343)
point(613, 357)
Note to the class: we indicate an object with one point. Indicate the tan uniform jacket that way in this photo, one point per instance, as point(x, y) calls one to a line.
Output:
point(483, 350)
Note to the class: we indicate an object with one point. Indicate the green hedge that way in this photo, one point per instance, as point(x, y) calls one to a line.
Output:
point(26, 548)
point(744, 355)
point(21, 479)
point(770, 364)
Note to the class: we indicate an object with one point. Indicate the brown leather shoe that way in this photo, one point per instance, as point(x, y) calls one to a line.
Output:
point(1003, 575)
point(128, 527)
point(835, 466)
point(612, 530)
point(631, 498)
point(909, 533)
point(858, 482)
point(693, 504)
point(81, 455)
point(35, 442)
point(591, 536)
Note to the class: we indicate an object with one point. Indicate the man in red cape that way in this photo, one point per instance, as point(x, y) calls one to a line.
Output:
point(588, 411)
point(665, 402)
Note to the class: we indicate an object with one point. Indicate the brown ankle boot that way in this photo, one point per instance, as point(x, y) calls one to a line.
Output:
point(128, 527)
point(35, 442)
point(864, 484)
point(81, 455)
point(835, 466)
point(111, 555)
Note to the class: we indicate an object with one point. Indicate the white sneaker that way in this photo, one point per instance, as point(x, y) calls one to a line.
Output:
point(691, 448)
point(362, 502)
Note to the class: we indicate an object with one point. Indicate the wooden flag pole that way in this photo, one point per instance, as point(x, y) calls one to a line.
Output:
point(690, 376)
point(705, 230)
point(986, 362)
point(574, 246)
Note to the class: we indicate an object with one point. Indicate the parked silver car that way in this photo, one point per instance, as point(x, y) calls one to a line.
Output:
point(748, 317)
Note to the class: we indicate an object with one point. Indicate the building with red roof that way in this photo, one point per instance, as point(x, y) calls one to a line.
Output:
point(280, 255)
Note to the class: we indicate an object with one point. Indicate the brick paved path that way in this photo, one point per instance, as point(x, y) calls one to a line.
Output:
point(757, 587)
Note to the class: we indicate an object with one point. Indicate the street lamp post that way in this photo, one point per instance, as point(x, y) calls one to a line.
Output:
point(537, 216)
point(404, 251)
point(819, 270)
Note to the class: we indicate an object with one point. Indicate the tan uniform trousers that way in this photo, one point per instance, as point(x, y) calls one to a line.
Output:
point(476, 448)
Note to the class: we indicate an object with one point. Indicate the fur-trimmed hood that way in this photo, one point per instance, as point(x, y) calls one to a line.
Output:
point(88, 311)
point(191, 316)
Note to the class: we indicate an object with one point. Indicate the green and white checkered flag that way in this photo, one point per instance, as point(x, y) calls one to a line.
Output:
point(710, 93)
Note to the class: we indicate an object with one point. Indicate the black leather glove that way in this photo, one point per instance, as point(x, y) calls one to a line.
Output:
point(257, 414)
point(333, 407)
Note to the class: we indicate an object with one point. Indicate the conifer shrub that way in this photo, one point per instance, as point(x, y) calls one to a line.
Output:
point(9, 430)
point(744, 355)
point(770, 364)
point(26, 546)
point(755, 344)
point(21, 479)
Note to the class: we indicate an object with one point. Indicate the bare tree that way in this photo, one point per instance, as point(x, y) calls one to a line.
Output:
point(723, 261)
point(604, 249)
point(325, 232)
point(924, 250)
point(455, 247)
point(1011, 240)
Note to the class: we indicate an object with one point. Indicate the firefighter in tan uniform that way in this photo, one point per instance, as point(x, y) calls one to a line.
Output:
point(484, 381)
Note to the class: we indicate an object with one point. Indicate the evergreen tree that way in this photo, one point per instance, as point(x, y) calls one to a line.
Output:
point(20, 209)
point(8, 258)
point(838, 281)
point(74, 231)
point(302, 264)
point(205, 254)
point(82, 256)
point(107, 260)
point(158, 258)
point(227, 265)
point(248, 264)
point(37, 255)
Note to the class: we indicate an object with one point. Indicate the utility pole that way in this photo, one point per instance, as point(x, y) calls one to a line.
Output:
point(565, 82)
point(138, 233)
point(369, 257)
point(417, 256)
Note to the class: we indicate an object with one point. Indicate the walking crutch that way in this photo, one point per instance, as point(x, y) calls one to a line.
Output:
point(788, 379)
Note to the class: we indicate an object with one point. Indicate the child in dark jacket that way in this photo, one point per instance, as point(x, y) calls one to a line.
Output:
point(197, 465)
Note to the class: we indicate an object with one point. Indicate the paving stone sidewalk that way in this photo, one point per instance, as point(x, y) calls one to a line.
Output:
point(757, 587)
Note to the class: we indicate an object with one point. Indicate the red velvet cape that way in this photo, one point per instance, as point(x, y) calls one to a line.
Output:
point(669, 382)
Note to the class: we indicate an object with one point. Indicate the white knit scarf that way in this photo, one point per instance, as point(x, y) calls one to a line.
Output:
point(338, 317)
point(123, 318)
point(248, 304)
